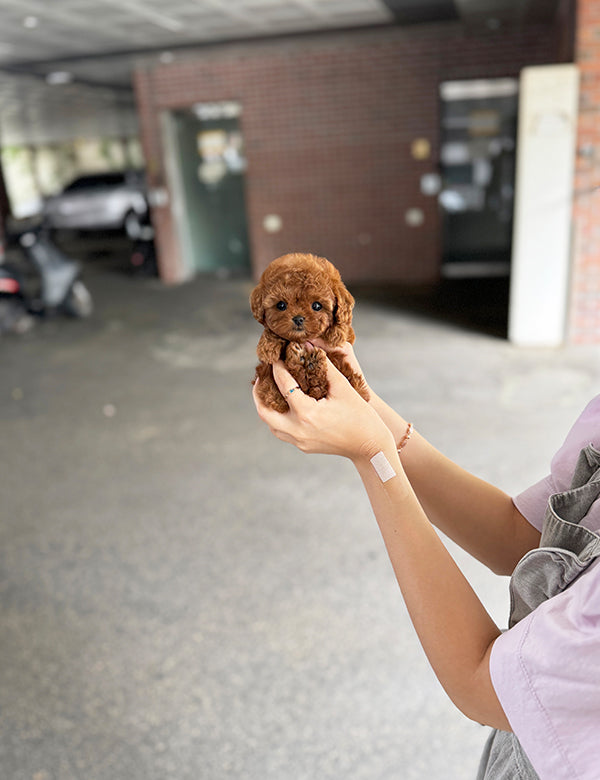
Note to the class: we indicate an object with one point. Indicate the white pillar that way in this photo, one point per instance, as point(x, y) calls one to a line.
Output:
point(541, 255)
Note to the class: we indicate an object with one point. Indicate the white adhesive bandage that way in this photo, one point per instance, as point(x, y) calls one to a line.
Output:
point(383, 467)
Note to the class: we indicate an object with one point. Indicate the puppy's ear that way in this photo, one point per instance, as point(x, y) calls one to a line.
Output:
point(341, 329)
point(256, 303)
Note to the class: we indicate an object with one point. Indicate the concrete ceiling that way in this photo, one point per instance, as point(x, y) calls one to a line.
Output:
point(65, 65)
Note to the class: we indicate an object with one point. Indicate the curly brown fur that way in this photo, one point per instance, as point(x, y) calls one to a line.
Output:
point(301, 297)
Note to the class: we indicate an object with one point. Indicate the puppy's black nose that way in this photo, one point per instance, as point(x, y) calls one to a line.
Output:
point(298, 321)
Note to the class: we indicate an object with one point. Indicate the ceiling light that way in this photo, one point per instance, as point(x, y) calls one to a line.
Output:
point(59, 77)
point(30, 22)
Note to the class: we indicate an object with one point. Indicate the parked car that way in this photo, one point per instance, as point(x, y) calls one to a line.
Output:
point(98, 201)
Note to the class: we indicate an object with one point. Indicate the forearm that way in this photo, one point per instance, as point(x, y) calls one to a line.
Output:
point(476, 515)
point(455, 630)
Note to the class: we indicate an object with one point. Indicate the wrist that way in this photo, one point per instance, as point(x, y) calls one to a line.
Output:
point(379, 464)
point(394, 421)
point(372, 447)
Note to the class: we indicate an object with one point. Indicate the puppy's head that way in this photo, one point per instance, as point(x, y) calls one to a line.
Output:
point(302, 297)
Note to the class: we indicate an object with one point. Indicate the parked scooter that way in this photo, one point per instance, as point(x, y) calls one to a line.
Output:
point(38, 278)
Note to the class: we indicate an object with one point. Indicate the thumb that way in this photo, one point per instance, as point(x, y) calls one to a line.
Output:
point(338, 383)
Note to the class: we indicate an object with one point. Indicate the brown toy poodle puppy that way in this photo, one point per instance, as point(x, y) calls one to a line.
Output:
point(301, 297)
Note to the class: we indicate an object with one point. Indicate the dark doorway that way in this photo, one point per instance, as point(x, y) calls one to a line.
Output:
point(477, 154)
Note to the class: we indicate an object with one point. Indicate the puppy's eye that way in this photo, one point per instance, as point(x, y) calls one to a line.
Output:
point(317, 306)
point(282, 305)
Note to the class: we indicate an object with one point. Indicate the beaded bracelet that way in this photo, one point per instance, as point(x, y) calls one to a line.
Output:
point(404, 440)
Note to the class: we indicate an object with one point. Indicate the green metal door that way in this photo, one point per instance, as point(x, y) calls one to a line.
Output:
point(211, 173)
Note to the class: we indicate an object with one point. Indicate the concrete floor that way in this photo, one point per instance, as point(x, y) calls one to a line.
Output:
point(182, 596)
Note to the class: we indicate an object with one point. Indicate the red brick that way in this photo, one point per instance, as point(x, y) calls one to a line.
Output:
point(328, 121)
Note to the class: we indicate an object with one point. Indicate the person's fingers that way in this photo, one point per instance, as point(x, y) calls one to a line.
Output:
point(288, 387)
point(283, 379)
point(322, 345)
point(277, 422)
point(337, 381)
point(327, 348)
point(290, 390)
point(266, 414)
point(257, 403)
point(346, 349)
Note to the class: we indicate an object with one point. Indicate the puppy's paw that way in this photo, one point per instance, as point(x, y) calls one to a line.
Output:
point(316, 373)
point(308, 366)
point(295, 362)
point(295, 355)
point(315, 360)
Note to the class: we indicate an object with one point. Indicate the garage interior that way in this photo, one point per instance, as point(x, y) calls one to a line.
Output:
point(80, 72)
point(181, 595)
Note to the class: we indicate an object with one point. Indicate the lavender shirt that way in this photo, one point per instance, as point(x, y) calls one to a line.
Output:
point(546, 669)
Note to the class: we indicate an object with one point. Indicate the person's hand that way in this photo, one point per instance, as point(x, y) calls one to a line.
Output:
point(348, 351)
point(340, 424)
point(395, 422)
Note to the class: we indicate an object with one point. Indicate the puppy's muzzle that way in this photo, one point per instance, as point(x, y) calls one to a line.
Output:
point(298, 322)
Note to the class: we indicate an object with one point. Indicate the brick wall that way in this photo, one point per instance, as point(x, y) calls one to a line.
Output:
point(328, 121)
point(584, 326)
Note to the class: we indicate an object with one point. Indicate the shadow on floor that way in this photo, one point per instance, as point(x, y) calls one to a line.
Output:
point(479, 305)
